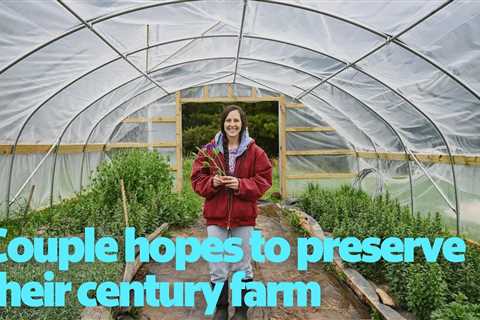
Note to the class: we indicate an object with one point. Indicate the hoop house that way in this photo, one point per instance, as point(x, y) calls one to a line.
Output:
point(389, 86)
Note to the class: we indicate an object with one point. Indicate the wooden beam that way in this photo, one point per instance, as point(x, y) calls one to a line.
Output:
point(230, 90)
point(422, 157)
point(229, 99)
point(398, 156)
point(94, 147)
point(253, 93)
point(33, 148)
point(310, 129)
point(153, 120)
point(295, 105)
point(5, 148)
point(70, 148)
point(323, 152)
point(127, 145)
point(318, 176)
point(468, 160)
point(205, 91)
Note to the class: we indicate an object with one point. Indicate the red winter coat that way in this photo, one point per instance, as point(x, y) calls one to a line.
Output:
point(223, 206)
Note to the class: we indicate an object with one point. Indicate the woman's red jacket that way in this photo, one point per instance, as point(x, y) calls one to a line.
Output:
point(223, 206)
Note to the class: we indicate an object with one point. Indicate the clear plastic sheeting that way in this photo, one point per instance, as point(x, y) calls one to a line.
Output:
point(315, 141)
point(451, 43)
point(131, 132)
point(86, 112)
point(170, 22)
point(91, 161)
point(241, 90)
point(416, 131)
point(41, 179)
point(320, 164)
point(65, 185)
point(28, 24)
point(29, 83)
point(432, 92)
point(304, 117)
point(297, 187)
point(4, 171)
point(319, 32)
point(388, 18)
point(102, 129)
point(348, 128)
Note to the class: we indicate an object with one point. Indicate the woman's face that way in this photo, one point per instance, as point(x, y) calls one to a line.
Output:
point(233, 124)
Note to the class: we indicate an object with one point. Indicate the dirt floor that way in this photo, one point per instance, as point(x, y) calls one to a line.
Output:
point(338, 302)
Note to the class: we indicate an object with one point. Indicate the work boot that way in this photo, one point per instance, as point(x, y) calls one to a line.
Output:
point(221, 311)
point(241, 312)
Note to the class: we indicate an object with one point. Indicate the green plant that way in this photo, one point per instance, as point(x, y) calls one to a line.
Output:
point(459, 309)
point(420, 287)
point(426, 288)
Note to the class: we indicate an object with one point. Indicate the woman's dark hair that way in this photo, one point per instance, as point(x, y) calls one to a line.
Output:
point(224, 115)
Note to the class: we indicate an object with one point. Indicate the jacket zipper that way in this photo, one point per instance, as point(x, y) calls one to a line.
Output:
point(230, 192)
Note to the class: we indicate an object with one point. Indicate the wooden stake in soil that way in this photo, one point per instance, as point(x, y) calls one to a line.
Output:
point(124, 202)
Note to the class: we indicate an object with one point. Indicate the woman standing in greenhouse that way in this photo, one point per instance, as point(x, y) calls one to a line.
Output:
point(231, 173)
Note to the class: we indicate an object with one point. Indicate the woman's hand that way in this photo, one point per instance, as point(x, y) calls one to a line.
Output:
point(217, 181)
point(231, 182)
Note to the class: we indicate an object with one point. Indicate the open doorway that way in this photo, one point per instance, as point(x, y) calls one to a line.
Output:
point(200, 123)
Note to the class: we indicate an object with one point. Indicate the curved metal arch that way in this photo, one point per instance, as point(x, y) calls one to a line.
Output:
point(341, 112)
point(136, 78)
point(336, 17)
point(81, 27)
point(348, 142)
point(272, 2)
point(385, 37)
point(452, 164)
point(179, 40)
point(59, 140)
point(273, 89)
point(366, 106)
point(135, 110)
point(394, 91)
point(299, 70)
point(115, 109)
point(203, 60)
point(93, 103)
point(91, 132)
point(240, 38)
point(333, 16)
point(39, 107)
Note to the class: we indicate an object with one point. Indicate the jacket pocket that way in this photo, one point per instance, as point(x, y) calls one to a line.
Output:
point(244, 209)
point(215, 207)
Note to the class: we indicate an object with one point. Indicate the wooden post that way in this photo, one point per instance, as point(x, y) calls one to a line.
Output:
point(230, 90)
point(282, 135)
point(179, 149)
point(205, 92)
point(124, 202)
